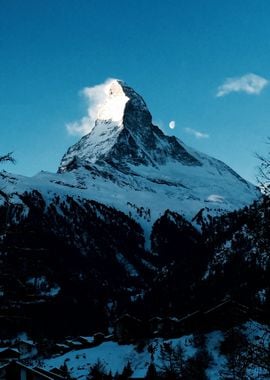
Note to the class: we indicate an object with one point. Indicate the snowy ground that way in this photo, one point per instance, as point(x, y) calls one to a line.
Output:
point(116, 356)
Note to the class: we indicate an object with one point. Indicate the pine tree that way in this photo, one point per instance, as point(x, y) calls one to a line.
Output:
point(127, 372)
point(151, 373)
point(172, 361)
point(65, 370)
point(97, 371)
point(109, 376)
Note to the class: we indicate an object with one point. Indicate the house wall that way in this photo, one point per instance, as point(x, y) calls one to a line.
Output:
point(23, 374)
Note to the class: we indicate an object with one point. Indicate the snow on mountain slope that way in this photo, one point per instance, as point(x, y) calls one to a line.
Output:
point(128, 163)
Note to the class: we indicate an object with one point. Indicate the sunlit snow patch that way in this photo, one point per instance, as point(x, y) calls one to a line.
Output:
point(215, 198)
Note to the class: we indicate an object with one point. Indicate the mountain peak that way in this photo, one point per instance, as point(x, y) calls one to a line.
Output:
point(113, 105)
point(123, 134)
point(114, 98)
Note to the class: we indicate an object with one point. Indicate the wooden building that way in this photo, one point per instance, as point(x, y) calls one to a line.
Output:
point(27, 349)
point(7, 354)
point(18, 371)
point(127, 328)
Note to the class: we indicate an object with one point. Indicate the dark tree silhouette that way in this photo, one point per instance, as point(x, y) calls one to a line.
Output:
point(172, 361)
point(151, 372)
point(8, 158)
point(263, 176)
point(127, 372)
point(97, 371)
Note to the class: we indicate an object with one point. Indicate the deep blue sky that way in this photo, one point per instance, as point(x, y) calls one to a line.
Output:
point(174, 53)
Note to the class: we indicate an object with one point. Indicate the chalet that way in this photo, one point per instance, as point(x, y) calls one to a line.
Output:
point(87, 341)
point(190, 322)
point(3, 373)
point(56, 374)
point(222, 315)
point(8, 354)
point(74, 344)
point(127, 328)
point(156, 325)
point(225, 314)
point(18, 371)
point(172, 326)
point(108, 338)
point(60, 348)
point(26, 348)
point(98, 338)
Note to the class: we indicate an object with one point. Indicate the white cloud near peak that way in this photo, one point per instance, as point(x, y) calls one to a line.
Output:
point(251, 84)
point(81, 127)
point(100, 105)
point(197, 134)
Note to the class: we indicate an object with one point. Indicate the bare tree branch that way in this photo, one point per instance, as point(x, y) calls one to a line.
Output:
point(263, 176)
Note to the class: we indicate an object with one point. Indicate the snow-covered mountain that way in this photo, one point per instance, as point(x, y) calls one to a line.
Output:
point(126, 138)
point(128, 163)
point(116, 224)
point(132, 161)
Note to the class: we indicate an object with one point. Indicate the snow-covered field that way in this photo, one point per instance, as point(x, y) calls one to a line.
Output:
point(115, 356)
